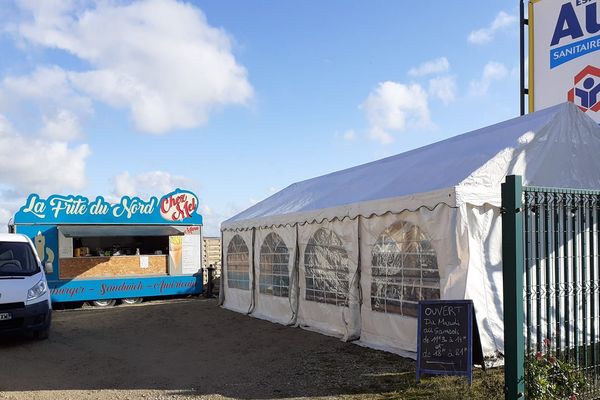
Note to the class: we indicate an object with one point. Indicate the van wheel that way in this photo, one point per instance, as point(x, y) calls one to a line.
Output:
point(104, 303)
point(41, 335)
point(132, 300)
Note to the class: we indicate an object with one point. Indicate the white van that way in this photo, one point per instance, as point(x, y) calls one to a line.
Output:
point(25, 305)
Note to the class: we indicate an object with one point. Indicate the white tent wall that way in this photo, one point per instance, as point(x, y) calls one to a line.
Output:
point(388, 327)
point(238, 286)
point(484, 278)
point(277, 301)
point(329, 278)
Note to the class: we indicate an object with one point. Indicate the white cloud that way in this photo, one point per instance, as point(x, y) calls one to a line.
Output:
point(50, 111)
point(10, 202)
point(212, 220)
point(443, 88)
point(147, 184)
point(160, 59)
point(349, 135)
point(437, 66)
point(64, 126)
point(502, 21)
point(378, 134)
point(480, 36)
point(46, 85)
point(493, 71)
point(47, 95)
point(205, 210)
point(5, 216)
point(29, 164)
point(157, 183)
point(392, 107)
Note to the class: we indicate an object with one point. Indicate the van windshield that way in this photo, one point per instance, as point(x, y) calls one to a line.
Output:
point(17, 259)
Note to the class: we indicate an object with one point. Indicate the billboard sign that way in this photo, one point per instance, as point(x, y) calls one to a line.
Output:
point(176, 208)
point(564, 54)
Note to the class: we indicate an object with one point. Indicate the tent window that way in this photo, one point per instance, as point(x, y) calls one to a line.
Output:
point(274, 259)
point(404, 270)
point(326, 265)
point(238, 275)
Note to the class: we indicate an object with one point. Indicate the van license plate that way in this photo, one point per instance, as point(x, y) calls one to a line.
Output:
point(5, 316)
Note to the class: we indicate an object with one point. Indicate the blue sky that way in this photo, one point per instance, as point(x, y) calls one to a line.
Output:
point(238, 99)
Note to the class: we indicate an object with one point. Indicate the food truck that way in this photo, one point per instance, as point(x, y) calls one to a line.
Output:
point(104, 252)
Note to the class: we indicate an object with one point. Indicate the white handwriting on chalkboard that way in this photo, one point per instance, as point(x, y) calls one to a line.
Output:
point(444, 311)
point(444, 335)
point(439, 331)
point(441, 321)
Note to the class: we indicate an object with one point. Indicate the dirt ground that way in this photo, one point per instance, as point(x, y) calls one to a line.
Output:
point(189, 348)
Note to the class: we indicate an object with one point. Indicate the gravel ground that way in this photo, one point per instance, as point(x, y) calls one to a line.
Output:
point(189, 348)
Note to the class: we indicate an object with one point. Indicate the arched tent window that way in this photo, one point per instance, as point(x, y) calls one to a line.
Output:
point(326, 265)
point(238, 274)
point(404, 270)
point(274, 259)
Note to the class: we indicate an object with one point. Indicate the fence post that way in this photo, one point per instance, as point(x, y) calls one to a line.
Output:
point(512, 273)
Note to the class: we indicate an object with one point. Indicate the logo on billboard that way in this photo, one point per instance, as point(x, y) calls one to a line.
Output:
point(585, 92)
point(178, 205)
point(570, 26)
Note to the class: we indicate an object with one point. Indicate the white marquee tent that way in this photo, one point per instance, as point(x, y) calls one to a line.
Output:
point(351, 253)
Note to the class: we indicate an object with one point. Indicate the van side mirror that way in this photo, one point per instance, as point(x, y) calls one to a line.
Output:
point(48, 268)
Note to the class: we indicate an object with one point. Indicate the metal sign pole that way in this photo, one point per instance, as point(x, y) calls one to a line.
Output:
point(523, 91)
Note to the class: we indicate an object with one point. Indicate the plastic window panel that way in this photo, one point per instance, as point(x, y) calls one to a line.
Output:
point(274, 261)
point(404, 270)
point(238, 274)
point(327, 272)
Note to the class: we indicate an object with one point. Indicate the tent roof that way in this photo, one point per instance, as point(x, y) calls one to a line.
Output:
point(425, 176)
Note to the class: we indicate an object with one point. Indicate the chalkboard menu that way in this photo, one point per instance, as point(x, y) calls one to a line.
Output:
point(444, 338)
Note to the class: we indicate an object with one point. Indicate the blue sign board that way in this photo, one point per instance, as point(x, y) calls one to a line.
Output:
point(176, 208)
point(120, 288)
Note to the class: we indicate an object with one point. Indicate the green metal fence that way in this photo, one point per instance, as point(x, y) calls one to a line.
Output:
point(551, 259)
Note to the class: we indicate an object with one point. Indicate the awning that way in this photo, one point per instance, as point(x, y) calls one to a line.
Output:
point(120, 230)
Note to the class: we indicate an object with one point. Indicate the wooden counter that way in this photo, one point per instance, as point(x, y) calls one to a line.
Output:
point(90, 267)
